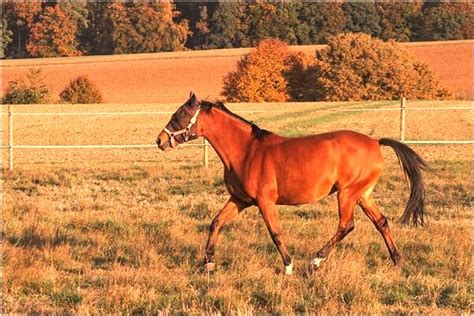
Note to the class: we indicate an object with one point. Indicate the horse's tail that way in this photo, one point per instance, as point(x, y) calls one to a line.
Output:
point(412, 165)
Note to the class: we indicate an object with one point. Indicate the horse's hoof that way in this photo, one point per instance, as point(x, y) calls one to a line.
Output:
point(210, 266)
point(396, 260)
point(289, 269)
point(317, 262)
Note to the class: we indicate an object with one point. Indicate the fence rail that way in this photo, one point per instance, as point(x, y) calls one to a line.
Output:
point(110, 113)
point(205, 143)
point(244, 111)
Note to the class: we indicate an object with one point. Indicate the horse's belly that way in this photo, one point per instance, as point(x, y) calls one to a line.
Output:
point(303, 192)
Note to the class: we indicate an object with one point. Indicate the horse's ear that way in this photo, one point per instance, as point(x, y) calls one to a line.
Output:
point(193, 100)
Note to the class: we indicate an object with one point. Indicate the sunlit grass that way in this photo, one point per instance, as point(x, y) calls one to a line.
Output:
point(124, 231)
point(109, 240)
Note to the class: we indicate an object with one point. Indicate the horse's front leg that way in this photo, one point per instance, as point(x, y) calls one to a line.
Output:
point(269, 213)
point(230, 210)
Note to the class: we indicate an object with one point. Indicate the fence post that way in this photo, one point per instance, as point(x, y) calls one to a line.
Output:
point(402, 119)
point(10, 138)
point(206, 153)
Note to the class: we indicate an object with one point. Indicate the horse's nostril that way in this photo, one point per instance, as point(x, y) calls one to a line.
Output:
point(158, 141)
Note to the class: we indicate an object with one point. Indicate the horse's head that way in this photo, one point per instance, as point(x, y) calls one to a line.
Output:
point(182, 125)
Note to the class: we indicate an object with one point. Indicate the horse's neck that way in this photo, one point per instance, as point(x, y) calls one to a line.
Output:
point(228, 135)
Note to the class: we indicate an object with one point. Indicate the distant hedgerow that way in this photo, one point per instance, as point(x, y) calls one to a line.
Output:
point(81, 91)
point(29, 91)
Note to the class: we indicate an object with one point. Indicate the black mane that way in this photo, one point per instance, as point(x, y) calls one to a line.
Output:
point(258, 132)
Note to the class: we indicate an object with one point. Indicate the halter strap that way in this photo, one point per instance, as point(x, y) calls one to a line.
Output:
point(184, 131)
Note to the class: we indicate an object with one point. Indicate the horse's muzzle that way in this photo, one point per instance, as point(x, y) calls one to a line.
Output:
point(163, 141)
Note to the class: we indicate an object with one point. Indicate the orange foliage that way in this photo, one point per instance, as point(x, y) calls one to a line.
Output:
point(25, 11)
point(54, 34)
point(359, 67)
point(352, 67)
point(260, 75)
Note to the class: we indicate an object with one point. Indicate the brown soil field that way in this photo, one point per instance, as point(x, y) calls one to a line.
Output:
point(168, 77)
point(452, 63)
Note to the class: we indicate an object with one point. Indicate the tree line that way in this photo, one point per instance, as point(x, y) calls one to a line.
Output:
point(73, 28)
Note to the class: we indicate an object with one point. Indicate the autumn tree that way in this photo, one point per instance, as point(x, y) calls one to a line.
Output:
point(398, 20)
point(6, 37)
point(359, 67)
point(156, 29)
point(362, 17)
point(124, 37)
point(198, 15)
point(447, 20)
point(54, 34)
point(275, 20)
point(96, 37)
point(19, 16)
point(264, 73)
point(227, 29)
point(319, 21)
point(116, 27)
point(135, 27)
point(245, 24)
point(78, 11)
point(202, 29)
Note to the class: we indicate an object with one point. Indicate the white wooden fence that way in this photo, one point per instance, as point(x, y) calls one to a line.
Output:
point(11, 146)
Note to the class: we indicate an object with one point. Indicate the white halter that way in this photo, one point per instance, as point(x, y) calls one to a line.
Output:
point(184, 131)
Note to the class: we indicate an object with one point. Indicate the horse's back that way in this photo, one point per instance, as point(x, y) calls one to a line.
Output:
point(333, 145)
point(342, 136)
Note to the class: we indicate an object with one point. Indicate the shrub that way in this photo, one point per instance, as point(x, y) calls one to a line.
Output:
point(359, 67)
point(81, 91)
point(260, 75)
point(29, 91)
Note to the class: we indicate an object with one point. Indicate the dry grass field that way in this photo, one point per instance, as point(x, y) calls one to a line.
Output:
point(109, 231)
point(166, 77)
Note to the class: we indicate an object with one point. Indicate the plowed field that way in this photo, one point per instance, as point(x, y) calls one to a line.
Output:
point(168, 77)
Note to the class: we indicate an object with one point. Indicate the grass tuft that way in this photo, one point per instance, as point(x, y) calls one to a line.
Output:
point(66, 298)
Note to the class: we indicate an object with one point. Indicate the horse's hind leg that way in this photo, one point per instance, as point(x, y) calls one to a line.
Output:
point(372, 211)
point(347, 201)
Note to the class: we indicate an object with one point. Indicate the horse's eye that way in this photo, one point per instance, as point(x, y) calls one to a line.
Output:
point(174, 122)
point(180, 114)
point(174, 118)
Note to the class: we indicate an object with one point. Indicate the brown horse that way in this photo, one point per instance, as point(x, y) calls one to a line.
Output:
point(265, 169)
